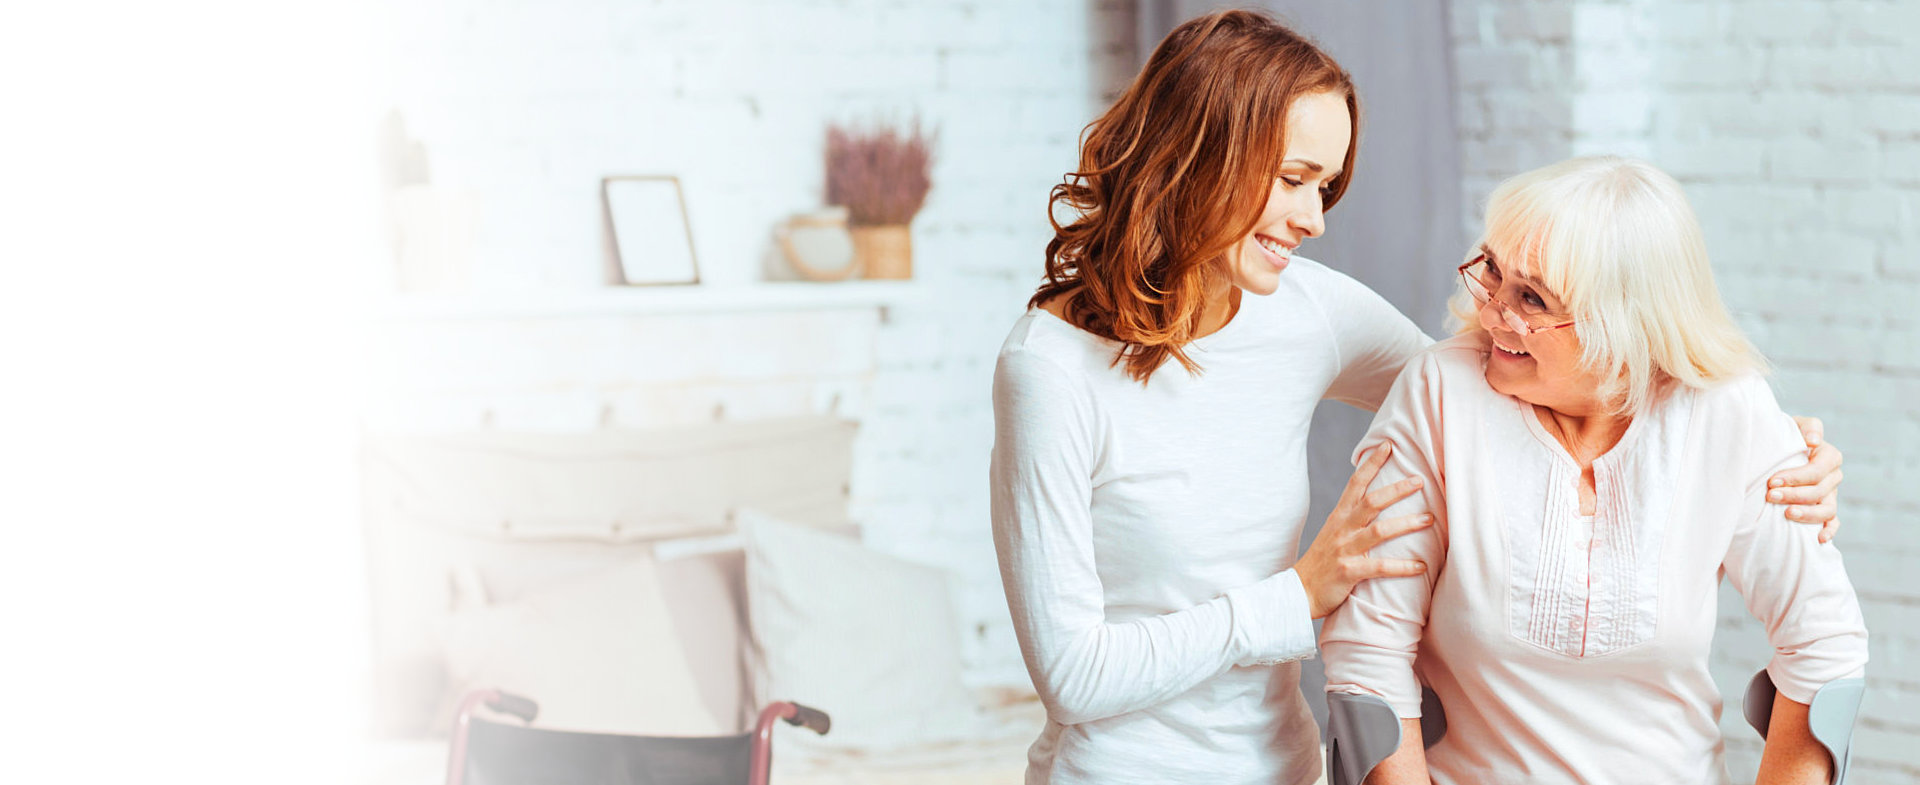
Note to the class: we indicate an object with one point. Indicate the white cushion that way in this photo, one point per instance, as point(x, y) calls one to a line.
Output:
point(704, 587)
point(868, 638)
point(597, 653)
point(611, 485)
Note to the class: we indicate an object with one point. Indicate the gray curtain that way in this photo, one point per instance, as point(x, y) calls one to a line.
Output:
point(1400, 227)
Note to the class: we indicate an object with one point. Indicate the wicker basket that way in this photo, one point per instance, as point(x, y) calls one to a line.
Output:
point(884, 252)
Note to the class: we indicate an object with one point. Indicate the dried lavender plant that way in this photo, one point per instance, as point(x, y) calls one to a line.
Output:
point(882, 174)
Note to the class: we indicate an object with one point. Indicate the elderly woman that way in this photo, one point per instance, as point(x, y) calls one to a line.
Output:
point(1594, 447)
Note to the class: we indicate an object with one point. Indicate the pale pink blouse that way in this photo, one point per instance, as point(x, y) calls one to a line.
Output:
point(1571, 650)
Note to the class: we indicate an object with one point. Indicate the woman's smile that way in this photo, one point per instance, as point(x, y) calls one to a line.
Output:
point(1502, 350)
point(1277, 252)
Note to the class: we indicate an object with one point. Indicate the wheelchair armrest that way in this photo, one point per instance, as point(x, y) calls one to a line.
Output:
point(1363, 730)
point(1830, 716)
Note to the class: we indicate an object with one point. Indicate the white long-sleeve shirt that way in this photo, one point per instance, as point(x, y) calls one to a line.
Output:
point(1566, 648)
point(1145, 533)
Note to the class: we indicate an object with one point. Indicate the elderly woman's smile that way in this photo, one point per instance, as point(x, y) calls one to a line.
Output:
point(1503, 348)
point(1542, 365)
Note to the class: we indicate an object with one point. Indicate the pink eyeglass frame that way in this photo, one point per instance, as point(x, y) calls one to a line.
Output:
point(1475, 288)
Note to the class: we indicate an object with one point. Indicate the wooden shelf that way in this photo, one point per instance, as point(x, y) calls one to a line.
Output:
point(653, 300)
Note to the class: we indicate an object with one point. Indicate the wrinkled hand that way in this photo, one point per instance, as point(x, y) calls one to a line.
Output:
point(1337, 561)
point(1812, 490)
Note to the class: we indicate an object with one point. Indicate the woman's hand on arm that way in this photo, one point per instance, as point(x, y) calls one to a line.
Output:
point(1792, 755)
point(1812, 490)
point(1337, 561)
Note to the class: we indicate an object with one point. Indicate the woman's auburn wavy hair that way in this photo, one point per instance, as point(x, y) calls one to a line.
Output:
point(1175, 174)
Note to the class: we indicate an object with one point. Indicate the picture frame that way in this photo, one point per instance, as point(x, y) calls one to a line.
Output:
point(652, 236)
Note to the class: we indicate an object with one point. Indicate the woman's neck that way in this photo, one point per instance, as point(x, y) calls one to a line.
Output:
point(1586, 437)
point(1219, 309)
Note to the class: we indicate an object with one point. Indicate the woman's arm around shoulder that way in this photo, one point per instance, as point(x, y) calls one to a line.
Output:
point(1374, 340)
point(1794, 584)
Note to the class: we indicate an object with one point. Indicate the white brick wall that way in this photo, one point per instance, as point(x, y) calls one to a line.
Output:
point(528, 104)
point(1513, 65)
point(1796, 128)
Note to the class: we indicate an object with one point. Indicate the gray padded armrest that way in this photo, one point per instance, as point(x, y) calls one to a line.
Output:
point(1363, 730)
point(1830, 715)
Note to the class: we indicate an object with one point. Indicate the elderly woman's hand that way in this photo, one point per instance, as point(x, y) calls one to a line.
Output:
point(1812, 490)
point(1337, 561)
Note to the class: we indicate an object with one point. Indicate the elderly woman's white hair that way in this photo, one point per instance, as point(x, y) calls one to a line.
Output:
point(1616, 241)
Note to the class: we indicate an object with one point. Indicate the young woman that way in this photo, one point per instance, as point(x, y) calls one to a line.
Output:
point(1149, 476)
point(1595, 446)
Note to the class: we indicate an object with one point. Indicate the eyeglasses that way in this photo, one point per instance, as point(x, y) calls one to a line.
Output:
point(1482, 295)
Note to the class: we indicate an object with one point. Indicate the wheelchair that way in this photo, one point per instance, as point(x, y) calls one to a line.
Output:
point(484, 752)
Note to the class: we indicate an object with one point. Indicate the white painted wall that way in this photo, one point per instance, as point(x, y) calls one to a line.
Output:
point(1795, 127)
